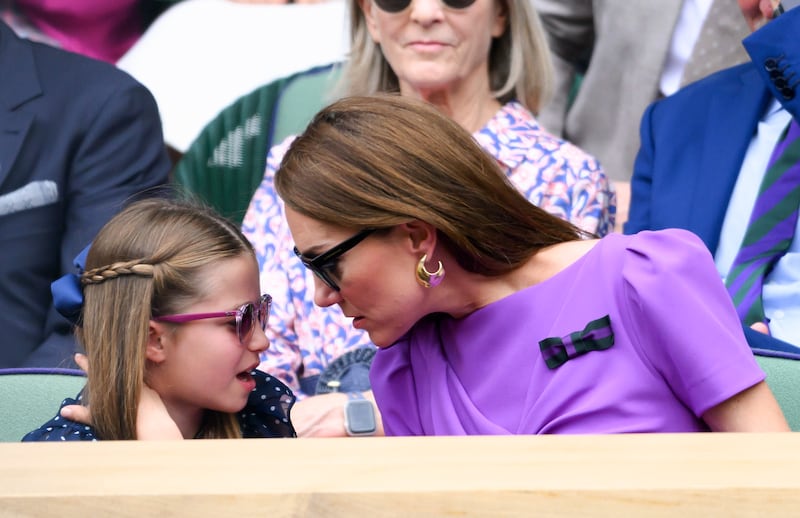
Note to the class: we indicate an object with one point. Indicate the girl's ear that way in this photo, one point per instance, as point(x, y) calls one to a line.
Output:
point(155, 350)
point(421, 236)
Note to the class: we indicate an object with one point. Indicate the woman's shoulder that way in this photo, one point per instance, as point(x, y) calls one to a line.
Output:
point(645, 253)
point(515, 137)
point(661, 244)
point(61, 429)
point(652, 258)
point(551, 261)
point(512, 121)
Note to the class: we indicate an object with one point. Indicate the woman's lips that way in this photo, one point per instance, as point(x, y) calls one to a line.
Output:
point(427, 46)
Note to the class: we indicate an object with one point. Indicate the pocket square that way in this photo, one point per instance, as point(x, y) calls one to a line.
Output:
point(35, 194)
point(596, 336)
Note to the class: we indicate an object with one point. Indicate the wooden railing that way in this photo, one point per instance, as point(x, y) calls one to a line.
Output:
point(620, 475)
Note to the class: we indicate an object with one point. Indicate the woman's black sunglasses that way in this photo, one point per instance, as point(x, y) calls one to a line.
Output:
point(395, 6)
point(322, 264)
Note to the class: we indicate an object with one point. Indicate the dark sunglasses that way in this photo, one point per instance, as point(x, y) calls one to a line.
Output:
point(246, 317)
point(324, 264)
point(395, 6)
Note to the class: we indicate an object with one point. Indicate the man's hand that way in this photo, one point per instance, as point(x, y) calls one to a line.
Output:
point(761, 327)
point(758, 12)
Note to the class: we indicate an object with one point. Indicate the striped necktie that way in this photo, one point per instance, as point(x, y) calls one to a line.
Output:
point(771, 228)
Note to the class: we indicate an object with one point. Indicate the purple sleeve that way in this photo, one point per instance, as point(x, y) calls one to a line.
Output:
point(684, 322)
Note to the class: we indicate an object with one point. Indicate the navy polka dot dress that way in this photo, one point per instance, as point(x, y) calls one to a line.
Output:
point(265, 415)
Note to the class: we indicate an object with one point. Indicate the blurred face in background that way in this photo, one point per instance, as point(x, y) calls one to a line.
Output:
point(432, 46)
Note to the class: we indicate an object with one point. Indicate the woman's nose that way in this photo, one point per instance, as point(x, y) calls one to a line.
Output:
point(426, 11)
point(324, 295)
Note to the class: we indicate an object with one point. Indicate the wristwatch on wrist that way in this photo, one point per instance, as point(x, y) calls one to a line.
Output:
point(359, 415)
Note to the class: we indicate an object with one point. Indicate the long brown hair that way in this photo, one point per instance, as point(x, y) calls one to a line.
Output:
point(375, 162)
point(145, 262)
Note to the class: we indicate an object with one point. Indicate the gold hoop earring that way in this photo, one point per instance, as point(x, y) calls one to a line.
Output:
point(429, 279)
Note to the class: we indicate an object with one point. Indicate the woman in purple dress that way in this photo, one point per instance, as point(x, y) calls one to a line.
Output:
point(494, 317)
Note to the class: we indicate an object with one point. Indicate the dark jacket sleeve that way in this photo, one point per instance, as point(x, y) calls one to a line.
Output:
point(122, 156)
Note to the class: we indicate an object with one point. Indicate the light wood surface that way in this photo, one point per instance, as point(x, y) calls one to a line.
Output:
point(618, 475)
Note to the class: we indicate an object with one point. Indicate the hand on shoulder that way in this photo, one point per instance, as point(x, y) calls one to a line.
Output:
point(153, 422)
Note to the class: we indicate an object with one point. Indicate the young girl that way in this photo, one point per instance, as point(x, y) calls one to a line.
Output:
point(172, 322)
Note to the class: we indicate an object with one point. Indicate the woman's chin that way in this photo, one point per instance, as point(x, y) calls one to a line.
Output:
point(382, 340)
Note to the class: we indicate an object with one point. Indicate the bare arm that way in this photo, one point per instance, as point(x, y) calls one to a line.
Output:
point(752, 410)
point(323, 415)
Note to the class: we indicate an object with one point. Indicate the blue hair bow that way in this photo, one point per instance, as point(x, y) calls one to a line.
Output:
point(68, 292)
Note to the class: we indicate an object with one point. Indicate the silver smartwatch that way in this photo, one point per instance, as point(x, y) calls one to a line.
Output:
point(359, 415)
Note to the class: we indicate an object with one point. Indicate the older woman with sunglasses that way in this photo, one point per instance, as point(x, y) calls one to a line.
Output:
point(485, 64)
point(169, 313)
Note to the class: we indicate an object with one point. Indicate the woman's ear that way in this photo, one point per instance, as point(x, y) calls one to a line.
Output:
point(369, 20)
point(500, 25)
point(155, 350)
point(421, 236)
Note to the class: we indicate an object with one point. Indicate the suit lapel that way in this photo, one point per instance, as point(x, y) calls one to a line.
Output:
point(732, 119)
point(20, 84)
point(14, 127)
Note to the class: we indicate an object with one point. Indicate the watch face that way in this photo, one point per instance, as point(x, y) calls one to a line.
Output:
point(360, 417)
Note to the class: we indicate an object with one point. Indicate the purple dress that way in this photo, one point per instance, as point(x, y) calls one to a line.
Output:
point(638, 335)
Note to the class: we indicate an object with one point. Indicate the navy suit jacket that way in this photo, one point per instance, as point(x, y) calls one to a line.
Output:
point(78, 138)
point(693, 143)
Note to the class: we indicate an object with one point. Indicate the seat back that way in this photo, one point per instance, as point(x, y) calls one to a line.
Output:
point(225, 163)
point(783, 378)
point(30, 397)
point(302, 95)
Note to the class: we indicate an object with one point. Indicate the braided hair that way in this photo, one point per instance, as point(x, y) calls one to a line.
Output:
point(148, 260)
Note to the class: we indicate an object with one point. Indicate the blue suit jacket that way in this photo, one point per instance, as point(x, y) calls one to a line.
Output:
point(91, 135)
point(694, 142)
